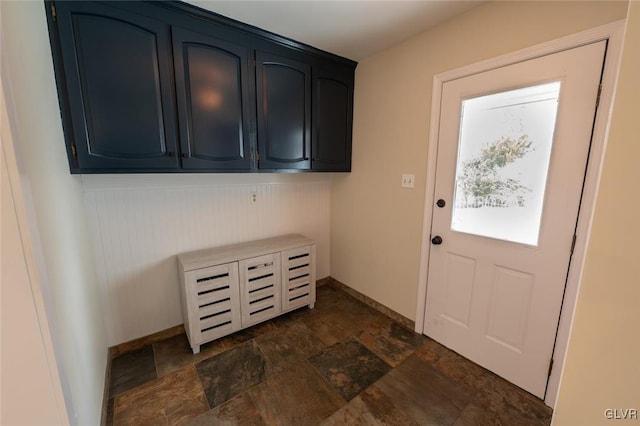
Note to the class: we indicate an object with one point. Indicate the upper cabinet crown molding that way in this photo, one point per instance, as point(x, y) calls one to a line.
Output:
point(169, 87)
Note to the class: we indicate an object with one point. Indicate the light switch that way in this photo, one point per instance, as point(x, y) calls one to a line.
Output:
point(407, 181)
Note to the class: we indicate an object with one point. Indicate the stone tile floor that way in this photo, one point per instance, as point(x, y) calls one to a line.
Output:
point(342, 363)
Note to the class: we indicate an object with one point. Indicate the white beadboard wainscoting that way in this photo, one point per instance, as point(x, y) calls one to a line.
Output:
point(139, 223)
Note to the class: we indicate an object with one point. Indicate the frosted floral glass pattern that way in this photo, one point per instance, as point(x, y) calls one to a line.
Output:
point(503, 160)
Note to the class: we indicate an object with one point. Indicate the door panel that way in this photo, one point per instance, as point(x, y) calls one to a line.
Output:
point(460, 271)
point(284, 112)
point(214, 105)
point(509, 307)
point(512, 151)
point(118, 76)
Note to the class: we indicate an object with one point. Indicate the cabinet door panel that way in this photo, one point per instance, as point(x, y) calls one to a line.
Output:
point(213, 298)
point(298, 277)
point(118, 78)
point(284, 112)
point(333, 118)
point(259, 288)
point(214, 104)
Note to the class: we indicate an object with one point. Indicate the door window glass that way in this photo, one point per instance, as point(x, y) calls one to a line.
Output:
point(503, 159)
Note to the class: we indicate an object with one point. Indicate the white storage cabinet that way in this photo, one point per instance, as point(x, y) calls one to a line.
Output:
point(225, 289)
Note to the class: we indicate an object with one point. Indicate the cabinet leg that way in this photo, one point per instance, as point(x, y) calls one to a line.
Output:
point(311, 305)
point(195, 349)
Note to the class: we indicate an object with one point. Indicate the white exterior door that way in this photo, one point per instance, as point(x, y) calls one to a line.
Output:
point(513, 146)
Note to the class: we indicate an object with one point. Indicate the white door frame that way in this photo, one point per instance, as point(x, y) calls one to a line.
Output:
point(612, 32)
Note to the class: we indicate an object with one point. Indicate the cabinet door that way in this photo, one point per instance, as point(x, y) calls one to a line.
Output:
point(284, 112)
point(332, 120)
point(214, 302)
point(212, 86)
point(298, 277)
point(118, 80)
point(259, 288)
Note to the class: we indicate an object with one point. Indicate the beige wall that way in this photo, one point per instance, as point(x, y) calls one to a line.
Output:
point(59, 223)
point(602, 368)
point(28, 370)
point(376, 226)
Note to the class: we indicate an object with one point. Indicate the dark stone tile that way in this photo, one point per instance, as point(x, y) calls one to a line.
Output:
point(289, 345)
point(358, 311)
point(509, 401)
point(401, 319)
point(349, 367)
point(359, 315)
point(297, 396)
point(371, 407)
point(473, 415)
point(237, 411)
point(232, 372)
point(515, 415)
point(424, 394)
point(330, 325)
point(247, 334)
point(453, 366)
point(431, 351)
point(131, 369)
point(109, 418)
point(390, 341)
point(493, 393)
point(327, 296)
point(476, 414)
point(293, 316)
point(171, 399)
point(175, 353)
point(342, 320)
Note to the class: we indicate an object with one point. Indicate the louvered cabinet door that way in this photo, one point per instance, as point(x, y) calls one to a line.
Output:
point(298, 277)
point(216, 303)
point(260, 288)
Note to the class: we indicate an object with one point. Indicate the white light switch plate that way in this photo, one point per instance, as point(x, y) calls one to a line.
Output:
point(407, 181)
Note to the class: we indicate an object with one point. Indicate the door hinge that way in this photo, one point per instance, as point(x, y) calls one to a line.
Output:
point(74, 154)
point(573, 243)
point(598, 96)
point(550, 367)
point(53, 12)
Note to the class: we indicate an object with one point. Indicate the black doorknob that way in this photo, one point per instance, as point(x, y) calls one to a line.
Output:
point(440, 203)
point(437, 240)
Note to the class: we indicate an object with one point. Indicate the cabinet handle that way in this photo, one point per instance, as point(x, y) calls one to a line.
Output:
point(262, 265)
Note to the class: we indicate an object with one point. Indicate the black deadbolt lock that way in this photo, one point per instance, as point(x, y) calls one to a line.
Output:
point(441, 203)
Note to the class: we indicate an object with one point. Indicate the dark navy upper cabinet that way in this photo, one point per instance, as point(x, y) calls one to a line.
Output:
point(332, 120)
point(116, 66)
point(284, 112)
point(214, 102)
point(164, 86)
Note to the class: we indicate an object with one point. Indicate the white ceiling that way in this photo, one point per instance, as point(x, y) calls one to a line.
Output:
point(351, 28)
